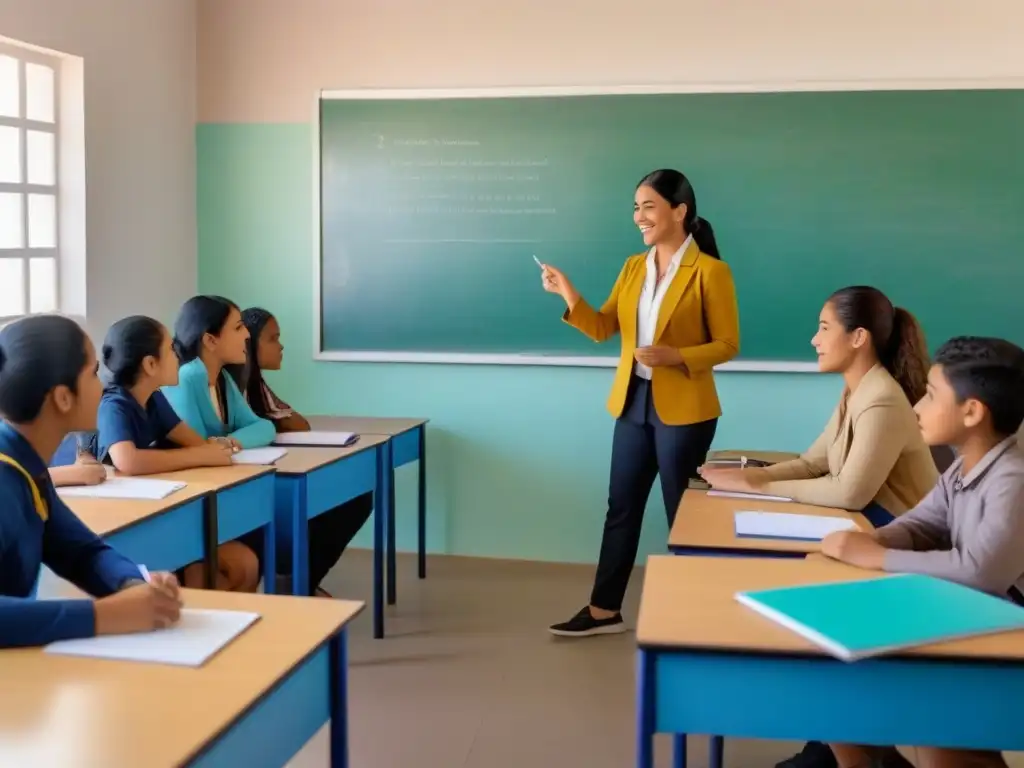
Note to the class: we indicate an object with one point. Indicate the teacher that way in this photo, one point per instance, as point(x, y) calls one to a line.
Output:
point(675, 309)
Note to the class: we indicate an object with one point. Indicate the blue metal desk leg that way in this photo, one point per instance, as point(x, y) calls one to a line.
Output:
point(645, 680)
point(269, 558)
point(339, 700)
point(378, 546)
point(211, 536)
point(678, 750)
point(389, 500)
point(300, 545)
point(716, 752)
point(422, 508)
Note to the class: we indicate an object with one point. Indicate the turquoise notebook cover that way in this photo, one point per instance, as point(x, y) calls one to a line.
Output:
point(856, 619)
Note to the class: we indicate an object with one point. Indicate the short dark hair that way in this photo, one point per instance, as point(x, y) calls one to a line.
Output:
point(199, 316)
point(990, 371)
point(37, 355)
point(127, 344)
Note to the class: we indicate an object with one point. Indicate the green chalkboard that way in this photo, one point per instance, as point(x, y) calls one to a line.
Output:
point(431, 209)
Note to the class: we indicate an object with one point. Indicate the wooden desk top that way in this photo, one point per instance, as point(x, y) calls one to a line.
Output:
point(775, 457)
point(709, 521)
point(368, 425)
point(689, 602)
point(94, 713)
point(301, 460)
point(215, 479)
point(107, 516)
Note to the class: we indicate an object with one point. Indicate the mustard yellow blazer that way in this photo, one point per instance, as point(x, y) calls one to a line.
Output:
point(698, 316)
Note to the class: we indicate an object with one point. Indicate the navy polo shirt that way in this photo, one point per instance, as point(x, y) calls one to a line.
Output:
point(123, 419)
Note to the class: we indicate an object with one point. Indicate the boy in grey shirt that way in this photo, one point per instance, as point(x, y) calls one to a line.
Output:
point(970, 527)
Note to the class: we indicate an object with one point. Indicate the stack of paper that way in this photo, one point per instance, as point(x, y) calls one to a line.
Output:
point(342, 439)
point(123, 488)
point(190, 643)
point(780, 525)
point(857, 619)
point(258, 456)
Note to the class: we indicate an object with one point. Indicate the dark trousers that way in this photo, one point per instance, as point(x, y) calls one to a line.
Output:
point(642, 448)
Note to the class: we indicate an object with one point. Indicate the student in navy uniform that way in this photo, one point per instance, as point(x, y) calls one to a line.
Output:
point(970, 527)
point(48, 388)
point(332, 531)
point(140, 434)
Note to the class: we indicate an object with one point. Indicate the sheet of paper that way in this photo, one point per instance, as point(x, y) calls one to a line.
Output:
point(742, 495)
point(190, 643)
point(261, 456)
point(781, 525)
point(123, 488)
point(317, 438)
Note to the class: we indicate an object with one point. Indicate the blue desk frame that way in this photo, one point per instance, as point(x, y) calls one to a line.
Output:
point(240, 508)
point(405, 448)
point(277, 726)
point(786, 697)
point(168, 540)
point(300, 497)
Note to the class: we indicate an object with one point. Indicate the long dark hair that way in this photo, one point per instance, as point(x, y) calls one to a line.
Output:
point(895, 334)
point(37, 355)
point(199, 316)
point(677, 190)
point(249, 377)
point(127, 344)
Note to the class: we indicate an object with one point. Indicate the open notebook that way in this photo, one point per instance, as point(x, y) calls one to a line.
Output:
point(190, 643)
point(259, 456)
point(123, 488)
point(857, 619)
point(338, 439)
point(782, 525)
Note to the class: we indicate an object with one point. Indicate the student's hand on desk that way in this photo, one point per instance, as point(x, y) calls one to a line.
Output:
point(856, 548)
point(141, 608)
point(215, 454)
point(654, 357)
point(736, 480)
point(227, 442)
point(83, 472)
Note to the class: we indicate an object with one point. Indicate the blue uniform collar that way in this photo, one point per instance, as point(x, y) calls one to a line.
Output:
point(19, 449)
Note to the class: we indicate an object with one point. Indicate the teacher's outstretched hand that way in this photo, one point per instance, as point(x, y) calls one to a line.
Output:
point(555, 281)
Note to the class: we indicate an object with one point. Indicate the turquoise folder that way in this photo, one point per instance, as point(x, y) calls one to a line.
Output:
point(857, 619)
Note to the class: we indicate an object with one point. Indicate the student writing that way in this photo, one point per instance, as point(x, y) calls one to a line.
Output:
point(970, 527)
point(48, 388)
point(140, 433)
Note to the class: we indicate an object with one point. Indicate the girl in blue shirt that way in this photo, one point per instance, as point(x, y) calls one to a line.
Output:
point(49, 388)
point(140, 434)
point(330, 532)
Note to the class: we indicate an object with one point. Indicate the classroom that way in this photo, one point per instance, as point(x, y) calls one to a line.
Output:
point(209, 147)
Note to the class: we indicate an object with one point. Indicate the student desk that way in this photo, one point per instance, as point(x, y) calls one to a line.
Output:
point(257, 702)
point(238, 499)
point(710, 665)
point(310, 481)
point(407, 442)
point(163, 535)
point(705, 525)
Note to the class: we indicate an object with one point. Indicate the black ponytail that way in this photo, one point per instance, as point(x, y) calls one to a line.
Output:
point(127, 345)
point(675, 188)
point(199, 316)
point(37, 355)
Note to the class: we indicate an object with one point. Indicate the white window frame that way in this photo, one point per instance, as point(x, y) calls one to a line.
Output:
point(26, 56)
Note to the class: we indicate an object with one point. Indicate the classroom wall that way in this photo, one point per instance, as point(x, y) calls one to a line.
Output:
point(518, 456)
point(140, 112)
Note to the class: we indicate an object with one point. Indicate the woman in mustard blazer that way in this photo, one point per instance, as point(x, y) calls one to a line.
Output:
point(674, 307)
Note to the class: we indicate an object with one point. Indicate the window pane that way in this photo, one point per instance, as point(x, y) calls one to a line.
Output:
point(10, 154)
point(39, 95)
point(12, 287)
point(10, 87)
point(42, 221)
point(42, 285)
point(12, 232)
point(41, 148)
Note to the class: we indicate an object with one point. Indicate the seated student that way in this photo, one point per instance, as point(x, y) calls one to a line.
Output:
point(970, 527)
point(140, 434)
point(208, 335)
point(871, 449)
point(48, 388)
point(332, 531)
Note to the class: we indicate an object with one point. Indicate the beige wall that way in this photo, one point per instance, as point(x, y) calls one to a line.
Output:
point(140, 96)
point(262, 60)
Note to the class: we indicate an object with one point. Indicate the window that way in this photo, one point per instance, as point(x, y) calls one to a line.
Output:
point(29, 178)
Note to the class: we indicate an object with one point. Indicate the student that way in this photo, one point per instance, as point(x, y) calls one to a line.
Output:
point(332, 531)
point(48, 388)
point(970, 527)
point(871, 456)
point(140, 434)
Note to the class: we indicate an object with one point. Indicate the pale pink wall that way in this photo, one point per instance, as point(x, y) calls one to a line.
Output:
point(262, 60)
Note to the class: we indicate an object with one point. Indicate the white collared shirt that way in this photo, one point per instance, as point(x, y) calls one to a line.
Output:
point(651, 297)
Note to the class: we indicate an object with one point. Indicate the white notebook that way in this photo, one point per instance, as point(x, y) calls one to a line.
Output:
point(190, 643)
point(342, 439)
point(259, 456)
point(123, 488)
point(780, 525)
point(743, 495)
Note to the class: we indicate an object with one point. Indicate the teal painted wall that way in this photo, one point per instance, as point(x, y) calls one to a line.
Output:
point(518, 456)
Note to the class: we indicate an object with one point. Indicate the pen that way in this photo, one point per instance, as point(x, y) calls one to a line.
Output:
point(144, 571)
point(743, 462)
